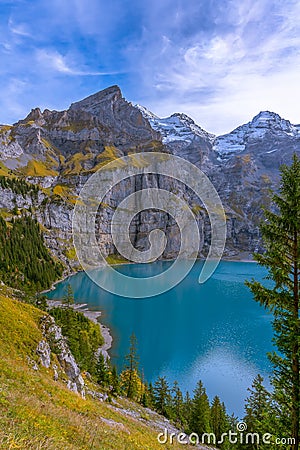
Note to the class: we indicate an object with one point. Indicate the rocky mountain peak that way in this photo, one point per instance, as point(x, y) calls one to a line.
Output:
point(267, 127)
point(271, 120)
point(96, 102)
point(145, 112)
point(182, 116)
point(176, 128)
point(35, 114)
point(265, 116)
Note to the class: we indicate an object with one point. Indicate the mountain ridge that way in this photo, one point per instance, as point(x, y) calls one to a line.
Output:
point(177, 126)
point(59, 150)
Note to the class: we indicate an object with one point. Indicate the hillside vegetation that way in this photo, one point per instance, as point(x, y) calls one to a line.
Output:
point(25, 262)
point(37, 412)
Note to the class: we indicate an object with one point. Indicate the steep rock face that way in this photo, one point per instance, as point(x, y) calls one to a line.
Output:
point(148, 220)
point(55, 341)
point(87, 127)
point(248, 163)
point(59, 150)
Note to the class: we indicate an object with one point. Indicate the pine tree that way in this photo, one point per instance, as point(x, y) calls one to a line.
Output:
point(187, 411)
point(145, 398)
point(177, 404)
point(114, 381)
point(218, 418)
point(68, 298)
point(102, 372)
point(132, 368)
point(162, 397)
point(200, 416)
point(151, 396)
point(257, 404)
point(85, 350)
point(258, 410)
point(281, 236)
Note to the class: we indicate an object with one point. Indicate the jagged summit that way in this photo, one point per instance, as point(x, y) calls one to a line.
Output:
point(177, 127)
point(93, 102)
point(266, 126)
point(106, 118)
point(183, 116)
point(268, 119)
point(266, 115)
point(146, 112)
point(34, 114)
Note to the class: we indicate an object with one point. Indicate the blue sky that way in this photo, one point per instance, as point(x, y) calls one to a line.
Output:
point(221, 62)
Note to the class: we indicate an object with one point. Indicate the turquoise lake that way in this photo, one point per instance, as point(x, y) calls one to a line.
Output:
point(215, 332)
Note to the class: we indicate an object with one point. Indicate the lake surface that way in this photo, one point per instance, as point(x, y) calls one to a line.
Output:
point(215, 332)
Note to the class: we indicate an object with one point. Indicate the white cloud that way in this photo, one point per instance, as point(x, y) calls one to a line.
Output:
point(20, 29)
point(49, 59)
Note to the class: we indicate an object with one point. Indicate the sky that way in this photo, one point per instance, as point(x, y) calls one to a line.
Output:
point(219, 61)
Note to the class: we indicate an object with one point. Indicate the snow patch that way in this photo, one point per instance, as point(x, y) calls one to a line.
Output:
point(177, 127)
point(263, 123)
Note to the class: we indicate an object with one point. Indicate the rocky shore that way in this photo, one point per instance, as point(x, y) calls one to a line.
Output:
point(92, 315)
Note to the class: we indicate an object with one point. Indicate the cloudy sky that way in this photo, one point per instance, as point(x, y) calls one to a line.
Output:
point(219, 61)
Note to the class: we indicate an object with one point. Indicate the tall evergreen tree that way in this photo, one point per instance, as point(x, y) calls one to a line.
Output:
point(102, 372)
point(68, 298)
point(218, 418)
point(187, 408)
point(85, 349)
point(177, 404)
point(281, 236)
point(145, 397)
point(200, 416)
point(162, 396)
point(258, 409)
point(132, 367)
point(151, 396)
point(114, 381)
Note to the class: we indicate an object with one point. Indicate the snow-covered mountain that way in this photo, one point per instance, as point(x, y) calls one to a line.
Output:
point(177, 127)
point(266, 132)
point(263, 127)
point(267, 138)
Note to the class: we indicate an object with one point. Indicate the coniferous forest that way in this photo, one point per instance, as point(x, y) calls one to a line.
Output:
point(25, 262)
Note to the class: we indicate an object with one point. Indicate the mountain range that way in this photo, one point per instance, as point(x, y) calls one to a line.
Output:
point(59, 150)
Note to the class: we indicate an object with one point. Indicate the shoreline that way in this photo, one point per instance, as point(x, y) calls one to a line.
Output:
point(94, 317)
point(64, 277)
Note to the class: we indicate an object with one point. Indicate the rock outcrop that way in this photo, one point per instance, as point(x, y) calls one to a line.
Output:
point(55, 342)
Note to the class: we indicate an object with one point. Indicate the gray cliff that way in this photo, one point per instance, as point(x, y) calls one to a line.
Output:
point(59, 150)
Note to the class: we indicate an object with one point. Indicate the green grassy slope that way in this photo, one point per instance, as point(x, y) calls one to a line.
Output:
point(37, 412)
